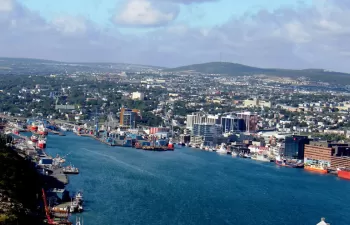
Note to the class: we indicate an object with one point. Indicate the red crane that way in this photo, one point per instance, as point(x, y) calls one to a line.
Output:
point(48, 216)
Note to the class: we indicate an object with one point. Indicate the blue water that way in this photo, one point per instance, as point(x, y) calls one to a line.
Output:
point(189, 186)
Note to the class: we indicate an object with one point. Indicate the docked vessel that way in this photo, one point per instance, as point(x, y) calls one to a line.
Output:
point(222, 149)
point(42, 130)
point(261, 157)
point(285, 163)
point(41, 143)
point(34, 138)
point(343, 173)
point(170, 146)
point(316, 168)
point(70, 170)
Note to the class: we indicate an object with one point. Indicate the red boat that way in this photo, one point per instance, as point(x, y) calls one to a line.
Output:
point(41, 143)
point(170, 146)
point(344, 173)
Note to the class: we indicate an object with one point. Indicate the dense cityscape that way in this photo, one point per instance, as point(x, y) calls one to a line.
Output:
point(292, 122)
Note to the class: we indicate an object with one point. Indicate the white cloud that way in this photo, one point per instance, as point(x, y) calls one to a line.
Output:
point(143, 13)
point(6, 5)
point(69, 25)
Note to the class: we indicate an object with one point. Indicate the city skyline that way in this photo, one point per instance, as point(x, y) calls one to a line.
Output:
point(307, 34)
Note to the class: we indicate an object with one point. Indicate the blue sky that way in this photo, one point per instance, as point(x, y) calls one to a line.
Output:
point(264, 33)
point(205, 14)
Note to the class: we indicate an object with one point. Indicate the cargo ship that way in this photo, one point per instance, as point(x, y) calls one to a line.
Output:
point(343, 173)
point(285, 163)
point(316, 168)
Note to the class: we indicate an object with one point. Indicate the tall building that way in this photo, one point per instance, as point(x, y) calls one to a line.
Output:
point(326, 153)
point(294, 147)
point(250, 119)
point(232, 124)
point(198, 118)
point(128, 117)
point(209, 132)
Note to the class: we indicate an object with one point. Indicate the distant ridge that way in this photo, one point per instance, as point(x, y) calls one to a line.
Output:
point(235, 69)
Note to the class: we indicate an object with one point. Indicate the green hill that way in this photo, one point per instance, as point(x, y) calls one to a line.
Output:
point(235, 69)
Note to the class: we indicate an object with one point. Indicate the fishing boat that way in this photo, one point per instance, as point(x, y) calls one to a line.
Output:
point(343, 173)
point(318, 168)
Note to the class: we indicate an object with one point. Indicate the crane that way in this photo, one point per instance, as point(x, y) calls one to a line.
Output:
point(48, 216)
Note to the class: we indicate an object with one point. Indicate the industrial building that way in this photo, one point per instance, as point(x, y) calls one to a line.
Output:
point(332, 155)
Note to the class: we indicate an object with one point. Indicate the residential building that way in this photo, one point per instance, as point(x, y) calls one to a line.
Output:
point(137, 96)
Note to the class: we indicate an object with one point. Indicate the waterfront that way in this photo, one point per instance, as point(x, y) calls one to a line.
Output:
point(189, 186)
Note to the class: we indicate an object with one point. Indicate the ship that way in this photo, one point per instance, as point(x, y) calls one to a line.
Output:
point(316, 168)
point(261, 157)
point(344, 173)
point(70, 170)
point(42, 130)
point(283, 162)
point(170, 146)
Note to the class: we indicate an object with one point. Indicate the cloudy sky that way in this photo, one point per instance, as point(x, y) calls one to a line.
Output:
point(265, 33)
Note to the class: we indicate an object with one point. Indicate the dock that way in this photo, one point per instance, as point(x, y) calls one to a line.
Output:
point(96, 138)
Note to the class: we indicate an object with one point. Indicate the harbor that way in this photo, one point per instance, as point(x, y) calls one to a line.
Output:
point(140, 183)
point(138, 180)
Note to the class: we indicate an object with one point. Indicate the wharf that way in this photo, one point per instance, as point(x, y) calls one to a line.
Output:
point(96, 138)
point(60, 176)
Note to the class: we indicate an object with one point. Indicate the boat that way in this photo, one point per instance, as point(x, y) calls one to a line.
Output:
point(41, 143)
point(170, 146)
point(285, 163)
point(343, 173)
point(260, 157)
point(42, 130)
point(33, 127)
point(79, 197)
point(70, 170)
point(247, 156)
point(34, 138)
point(316, 168)
point(222, 149)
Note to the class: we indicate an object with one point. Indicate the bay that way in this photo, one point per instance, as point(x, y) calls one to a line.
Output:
point(190, 186)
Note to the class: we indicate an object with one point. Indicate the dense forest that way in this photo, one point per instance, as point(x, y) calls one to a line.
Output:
point(19, 188)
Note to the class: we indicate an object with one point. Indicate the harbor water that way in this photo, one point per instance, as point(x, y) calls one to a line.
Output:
point(190, 186)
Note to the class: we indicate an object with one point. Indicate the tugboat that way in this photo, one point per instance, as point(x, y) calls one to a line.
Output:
point(170, 146)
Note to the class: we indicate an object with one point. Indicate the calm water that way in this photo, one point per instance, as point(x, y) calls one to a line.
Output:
point(189, 186)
